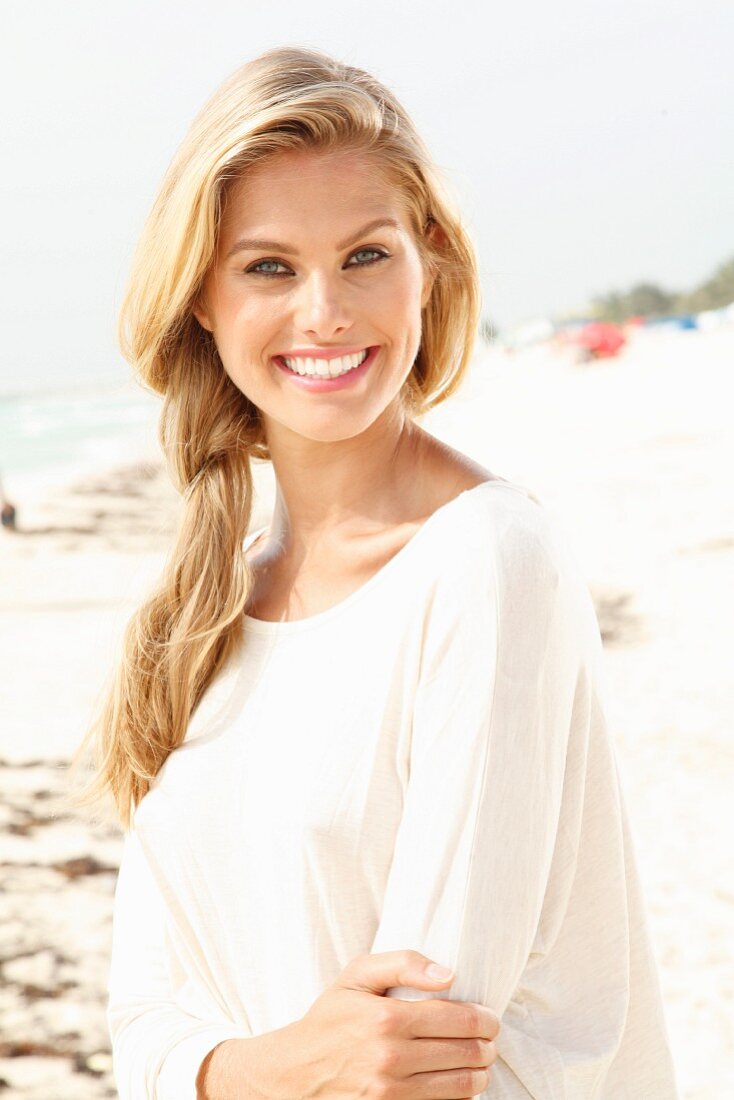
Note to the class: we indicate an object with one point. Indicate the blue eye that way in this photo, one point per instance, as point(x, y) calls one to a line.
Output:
point(256, 269)
point(375, 252)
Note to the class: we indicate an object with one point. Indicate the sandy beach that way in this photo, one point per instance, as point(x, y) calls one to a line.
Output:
point(634, 454)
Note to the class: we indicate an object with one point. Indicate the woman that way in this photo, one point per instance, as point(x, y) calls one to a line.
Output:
point(370, 736)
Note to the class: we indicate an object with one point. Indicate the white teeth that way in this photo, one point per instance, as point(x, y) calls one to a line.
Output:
point(326, 368)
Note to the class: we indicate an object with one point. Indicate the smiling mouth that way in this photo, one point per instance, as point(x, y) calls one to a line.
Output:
point(324, 368)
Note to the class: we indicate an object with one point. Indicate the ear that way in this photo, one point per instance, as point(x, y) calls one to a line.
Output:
point(428, 282)
point(201, 314)
point(438, 237)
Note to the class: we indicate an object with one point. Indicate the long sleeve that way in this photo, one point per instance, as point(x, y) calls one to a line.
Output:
point(157, 1047)
point(509, 865)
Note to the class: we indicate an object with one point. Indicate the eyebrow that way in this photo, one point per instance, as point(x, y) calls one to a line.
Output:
point(245, 244)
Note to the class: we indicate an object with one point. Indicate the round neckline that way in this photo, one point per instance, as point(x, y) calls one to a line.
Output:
point(292, 626)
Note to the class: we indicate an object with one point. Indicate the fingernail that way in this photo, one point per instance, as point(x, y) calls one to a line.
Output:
point(439, 972)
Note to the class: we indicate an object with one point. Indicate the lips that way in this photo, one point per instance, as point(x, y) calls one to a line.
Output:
point(362, 355)
point(320, 383)
point(334, 352)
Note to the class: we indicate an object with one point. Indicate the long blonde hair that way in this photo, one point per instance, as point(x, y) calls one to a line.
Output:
point(187, 628)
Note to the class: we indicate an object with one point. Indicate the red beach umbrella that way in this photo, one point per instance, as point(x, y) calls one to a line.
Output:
point(602, 339)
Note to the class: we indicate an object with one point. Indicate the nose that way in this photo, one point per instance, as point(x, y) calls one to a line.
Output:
point(322, 309)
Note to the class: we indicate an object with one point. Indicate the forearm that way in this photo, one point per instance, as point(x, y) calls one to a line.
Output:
point(243, 1069)
point(219, 1074)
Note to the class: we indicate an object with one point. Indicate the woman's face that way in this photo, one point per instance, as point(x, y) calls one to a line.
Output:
point(321, 282)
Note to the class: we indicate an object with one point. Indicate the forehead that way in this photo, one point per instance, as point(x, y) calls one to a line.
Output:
point(286, 187)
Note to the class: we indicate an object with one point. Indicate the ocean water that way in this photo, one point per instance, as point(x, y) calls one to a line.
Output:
point(51, 438)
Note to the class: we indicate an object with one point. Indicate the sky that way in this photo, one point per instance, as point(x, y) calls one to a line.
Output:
point(589, 145)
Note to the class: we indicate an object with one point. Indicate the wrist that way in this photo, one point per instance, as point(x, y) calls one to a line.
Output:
point(219, 1072)
point(245, 1069)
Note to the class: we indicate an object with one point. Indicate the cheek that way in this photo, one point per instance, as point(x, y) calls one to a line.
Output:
point(247, 321)
point(400, 307)
point(399, 290)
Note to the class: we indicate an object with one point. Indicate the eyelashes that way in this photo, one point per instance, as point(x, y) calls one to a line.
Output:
point(278, 274)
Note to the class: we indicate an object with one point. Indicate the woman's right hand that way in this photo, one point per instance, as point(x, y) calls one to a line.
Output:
point(355, 1042)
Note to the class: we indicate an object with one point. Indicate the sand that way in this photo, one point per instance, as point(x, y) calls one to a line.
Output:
point(633, 454)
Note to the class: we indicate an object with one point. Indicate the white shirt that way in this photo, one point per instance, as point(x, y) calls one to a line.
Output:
point(424, 765)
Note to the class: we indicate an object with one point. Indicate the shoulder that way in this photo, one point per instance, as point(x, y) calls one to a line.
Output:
point(502, 525)
point(536, 573)
point(506, 580)
point(508, 550)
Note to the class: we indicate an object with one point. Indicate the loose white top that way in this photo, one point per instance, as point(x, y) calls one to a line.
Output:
point(424, 765)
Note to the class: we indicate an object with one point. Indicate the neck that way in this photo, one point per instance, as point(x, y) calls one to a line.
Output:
point(346, 486)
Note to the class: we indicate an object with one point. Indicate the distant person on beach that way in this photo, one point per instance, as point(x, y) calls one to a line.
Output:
point(7, 510)
point(375, 841)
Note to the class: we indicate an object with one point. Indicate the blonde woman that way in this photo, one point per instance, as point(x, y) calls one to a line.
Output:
point(370, 736)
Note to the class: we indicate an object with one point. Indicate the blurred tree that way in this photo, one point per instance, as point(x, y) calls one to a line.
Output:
point(643, 300)
point(649, 300)
point(716, 292)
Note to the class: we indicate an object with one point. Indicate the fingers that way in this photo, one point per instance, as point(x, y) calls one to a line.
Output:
point(448, 1019)
point(433, 1055)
